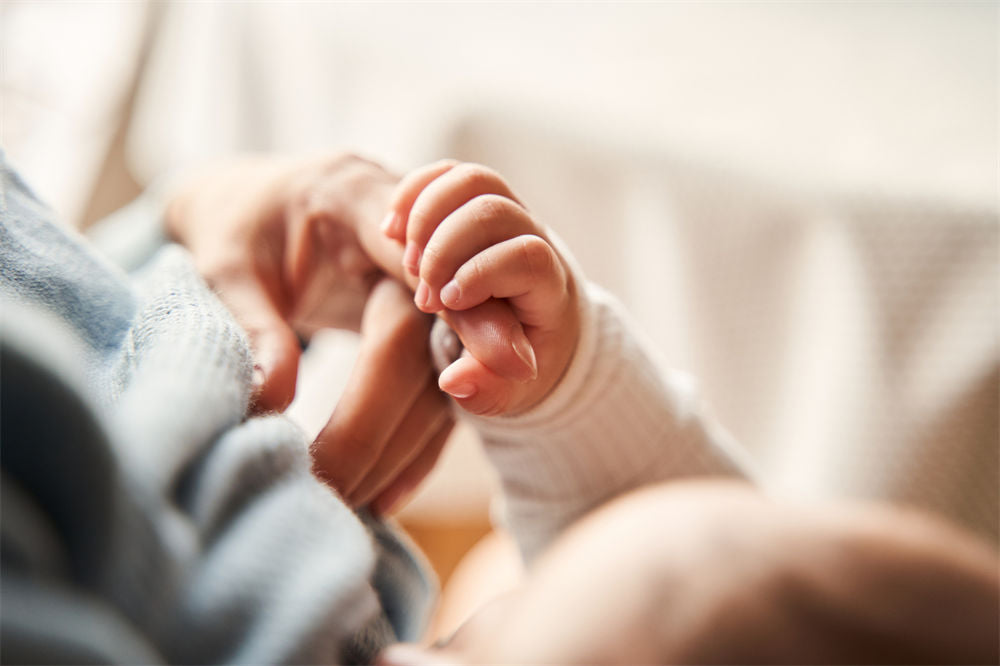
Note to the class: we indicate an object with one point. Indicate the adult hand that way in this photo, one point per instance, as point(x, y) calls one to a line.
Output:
point(387, 431)
point(276, 238)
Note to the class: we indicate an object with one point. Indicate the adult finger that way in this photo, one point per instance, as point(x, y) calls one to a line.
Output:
point(408, 480)
point(428, 415)
point(274, 345)
point(392, 369)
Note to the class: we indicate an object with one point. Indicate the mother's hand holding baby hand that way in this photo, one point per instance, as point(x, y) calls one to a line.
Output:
point(389, 429)
point(278, 239)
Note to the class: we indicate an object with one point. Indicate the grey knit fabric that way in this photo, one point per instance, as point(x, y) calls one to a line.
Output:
point(145, 518)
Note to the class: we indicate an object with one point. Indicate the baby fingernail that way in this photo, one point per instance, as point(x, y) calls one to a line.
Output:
point(450, 293)
point(523, 349)
point(461, 391)
point(459, 388)
point(411, 257)
point(422, 295)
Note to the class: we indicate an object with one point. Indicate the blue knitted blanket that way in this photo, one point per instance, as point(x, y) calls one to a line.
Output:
point(146, 518)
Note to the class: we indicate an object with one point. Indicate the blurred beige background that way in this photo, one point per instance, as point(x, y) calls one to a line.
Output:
point(797, 201)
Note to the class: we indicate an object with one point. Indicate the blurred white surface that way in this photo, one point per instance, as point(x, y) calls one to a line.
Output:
point(899, 97)
point(65, 71)
point(798, 201)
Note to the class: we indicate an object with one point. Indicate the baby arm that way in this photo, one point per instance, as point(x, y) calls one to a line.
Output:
point(600, 418)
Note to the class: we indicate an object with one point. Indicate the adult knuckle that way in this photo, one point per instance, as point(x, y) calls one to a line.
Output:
point(347, 172)
point(339, 159)
point(311, 201)
point(342, 162)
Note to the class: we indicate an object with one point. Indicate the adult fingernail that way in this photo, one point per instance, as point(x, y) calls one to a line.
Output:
point(411, 257)
point(450, 293)
point(257, 379)
point(422, 296)
point(523, 349)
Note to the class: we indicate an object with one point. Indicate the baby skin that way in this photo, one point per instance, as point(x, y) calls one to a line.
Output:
point(469, 243)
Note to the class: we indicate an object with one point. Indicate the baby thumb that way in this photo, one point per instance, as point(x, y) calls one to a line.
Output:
point(476, 388)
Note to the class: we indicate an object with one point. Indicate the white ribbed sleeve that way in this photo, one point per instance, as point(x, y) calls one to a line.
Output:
point(615, 422)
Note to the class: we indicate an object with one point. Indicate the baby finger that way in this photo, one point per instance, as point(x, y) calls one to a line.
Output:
point(525, 270)
point(406, 193)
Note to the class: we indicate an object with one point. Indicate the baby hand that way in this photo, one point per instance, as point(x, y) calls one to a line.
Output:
point(471, 242)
